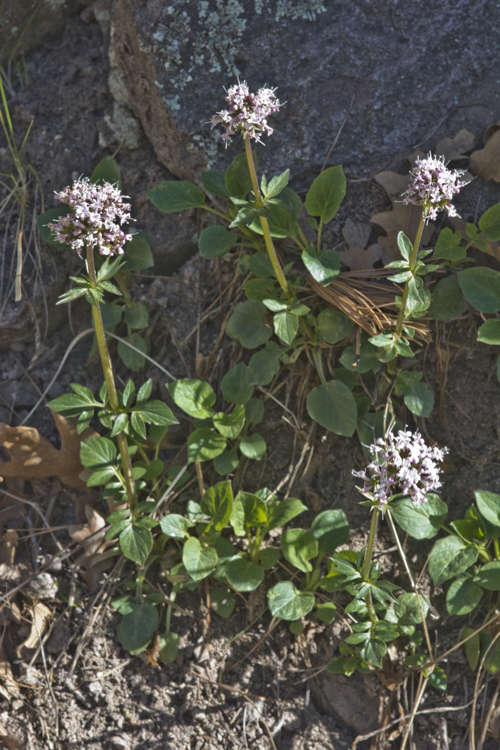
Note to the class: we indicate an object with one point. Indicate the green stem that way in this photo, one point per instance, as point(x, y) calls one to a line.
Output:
point(369, 546)
point(318, 361)
point(320, 229)
point(497, 549)
point(413, 261)
point(110, 382)
point(264, 224)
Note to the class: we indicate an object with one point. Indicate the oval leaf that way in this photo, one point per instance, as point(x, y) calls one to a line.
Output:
point(176, 195)
point(449, 558)
point(326, 194)
point(481, 288)
point(287, 603)
point(332, 405)
point(137, 628)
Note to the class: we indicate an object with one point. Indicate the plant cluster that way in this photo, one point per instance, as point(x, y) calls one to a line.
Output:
point(227, 538)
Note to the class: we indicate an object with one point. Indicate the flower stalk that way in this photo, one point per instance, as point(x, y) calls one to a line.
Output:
point(413, 262)
point(264, 223)
point(107, 368)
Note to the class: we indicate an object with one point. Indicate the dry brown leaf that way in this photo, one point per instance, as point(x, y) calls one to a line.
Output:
point(455, 148)
point(40, 615)
point(96, 546)
point(401, 219)
point(359, 257)
point(12, 742)
point(8, 683)
point(485, 162)
point(34, 457)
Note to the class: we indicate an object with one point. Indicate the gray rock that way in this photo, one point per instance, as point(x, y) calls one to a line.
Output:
point(406, 64)
point(353, 699)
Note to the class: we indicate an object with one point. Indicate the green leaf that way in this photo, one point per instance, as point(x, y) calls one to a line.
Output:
point(235, 385)
point(282, 511)
point(137, 316)
point(407, 610)
point(51, 217)
point(253, 446)
point(97, 453)
point(481, 288)
point(287, 603)
point(447, 299)
point(130, 358)
point(216, 241)
point(296, 628)
point(156, 412)
point(488, 505)
point(111, 315)
point(246, 324)
point(326, 194)
point(170, 648)
point(230, 425)
point(449, 558)
point(226, 462)
point(138, 253)
point(364, 362)
point(488, 577)
point(176, 195)
point(144, 391)
point(72, 404)
point(299, 546)
point(438, 679)
point(489, 223)
point(291, 202)
point(243, 575)
point(277, 184)
point(472, 647)
point(261, 266)
point(138, 627)
point(448, 246)
point(286, 326)
point(326, 612)
point(136, 543)
point(107, 171)
point(332, 405)
point(101, 476)
point(405, 246)
point(199, 561)
point(237, 179)
point(215, 183)
point(281, 223)
point(194, 397)
point(418, 397)
point(331, 530)
point(333, 326)
point(119, 424)
point(175, 526)
point(419, 521)
point(223, 601)
point(463, 596)
point(205, 444)
point(217, 502)
point(268, 557)
point(264, 366)
point(254, 411)
point(325, 267)
point(489, 332)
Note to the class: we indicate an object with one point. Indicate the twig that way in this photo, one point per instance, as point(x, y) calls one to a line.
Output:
point(339, 131)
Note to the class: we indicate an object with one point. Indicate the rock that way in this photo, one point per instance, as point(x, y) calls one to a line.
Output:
point(405, 70)
point(43, 586)
point(353, 699)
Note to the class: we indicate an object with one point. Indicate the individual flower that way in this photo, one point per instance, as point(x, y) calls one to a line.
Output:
point(97, 212)
point(247, 113)
point(433, 186)
point(402, 464)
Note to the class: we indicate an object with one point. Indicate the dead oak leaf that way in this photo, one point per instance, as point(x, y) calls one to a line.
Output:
point(455, 148)
point(485, 162)
point(402, 218)
point(34, 457)
point(40, 618)
point(93, 568)
point(358, 257)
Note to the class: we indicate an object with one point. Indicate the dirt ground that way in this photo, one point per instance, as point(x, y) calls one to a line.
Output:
point(82, 690)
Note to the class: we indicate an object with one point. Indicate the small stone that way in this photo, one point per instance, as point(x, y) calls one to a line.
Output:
point(43, 587)
point(119, 741)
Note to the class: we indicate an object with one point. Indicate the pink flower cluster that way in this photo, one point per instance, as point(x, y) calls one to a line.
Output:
point(402, 464)
point(433, 186)
point(247, 112)
point(95, 213)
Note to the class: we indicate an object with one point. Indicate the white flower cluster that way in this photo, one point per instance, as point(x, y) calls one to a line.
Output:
point(433, 186)
point(247, 113)
point(93, 220)
point(403, 464)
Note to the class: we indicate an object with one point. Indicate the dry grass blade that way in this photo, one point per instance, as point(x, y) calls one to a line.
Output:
point(369, 304)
